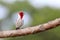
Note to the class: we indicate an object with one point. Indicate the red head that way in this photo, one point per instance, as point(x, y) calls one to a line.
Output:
point(21, 14)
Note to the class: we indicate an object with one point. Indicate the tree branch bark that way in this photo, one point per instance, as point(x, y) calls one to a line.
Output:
point(30, 30)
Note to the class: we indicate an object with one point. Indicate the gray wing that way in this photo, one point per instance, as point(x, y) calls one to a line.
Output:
point(19, 23)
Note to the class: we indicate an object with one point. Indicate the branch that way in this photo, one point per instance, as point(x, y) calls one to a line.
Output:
point(30, 30)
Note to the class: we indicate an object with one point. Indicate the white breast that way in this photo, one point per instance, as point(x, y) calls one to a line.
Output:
point(19, 23)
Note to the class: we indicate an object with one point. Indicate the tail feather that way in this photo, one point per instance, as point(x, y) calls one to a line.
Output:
point(17, 28)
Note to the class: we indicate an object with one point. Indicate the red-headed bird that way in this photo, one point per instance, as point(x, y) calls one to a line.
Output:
point(20, 20)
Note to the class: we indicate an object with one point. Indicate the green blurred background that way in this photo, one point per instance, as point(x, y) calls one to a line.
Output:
point(37, 13)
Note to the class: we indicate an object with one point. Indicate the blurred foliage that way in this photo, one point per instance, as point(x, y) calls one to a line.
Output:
point(39, 16)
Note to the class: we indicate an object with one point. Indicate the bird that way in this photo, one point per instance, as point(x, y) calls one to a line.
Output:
point(20, 21)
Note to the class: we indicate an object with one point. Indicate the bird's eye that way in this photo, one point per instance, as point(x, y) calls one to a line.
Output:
point(21, 14)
